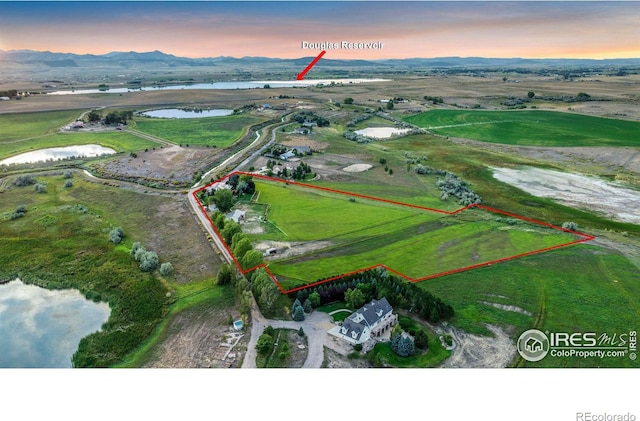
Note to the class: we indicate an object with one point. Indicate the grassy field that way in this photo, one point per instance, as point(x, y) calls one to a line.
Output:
point(365, 233)
point(118, 141)
point(209, 131)
point(61, 243)
point(582, 289)
point(530, 128)
point(26, 125)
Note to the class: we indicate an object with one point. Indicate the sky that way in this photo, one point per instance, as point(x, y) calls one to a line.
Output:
point(277, 29)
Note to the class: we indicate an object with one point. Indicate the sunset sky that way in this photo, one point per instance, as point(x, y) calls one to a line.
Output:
point(276, 29)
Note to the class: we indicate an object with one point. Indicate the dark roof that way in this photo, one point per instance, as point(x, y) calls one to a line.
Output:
point(371, 313)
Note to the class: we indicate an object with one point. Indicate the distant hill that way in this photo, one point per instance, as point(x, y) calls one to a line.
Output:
point(127, 59)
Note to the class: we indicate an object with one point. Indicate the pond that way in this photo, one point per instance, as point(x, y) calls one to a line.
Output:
point(180, 113)
point(219, 85)
point(381, 132)
point(55, 154)
point(579, 191)
point(42, 328)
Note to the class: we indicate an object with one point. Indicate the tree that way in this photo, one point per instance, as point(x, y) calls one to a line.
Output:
point(301, 332)
point(405, 347)
point(421, 340)
point(298, 314)
point(241, 247)
point(230, 229)
point(251, 259)
point(571, 226)
point(223, 200)
point(94, 116)
point(354, 298)
point(116, 235)
point(390, 105)
point(224, 275)
point(68, 183)
point(307, 307)
point(531, 94)
point(314, 297)
point(67, 174)
point(149, 261)
point(166, 268)
point(348, 100)
point(264, 344)
point(135, 247)
point(583, 96)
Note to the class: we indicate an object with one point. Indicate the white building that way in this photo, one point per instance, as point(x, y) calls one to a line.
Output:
point(369, 322)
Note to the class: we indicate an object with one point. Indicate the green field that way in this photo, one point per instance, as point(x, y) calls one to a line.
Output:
point(26, 125)
point(118, 141)
point(208, 131)
point(530, 128)
point(366, 233)
point(580, 289)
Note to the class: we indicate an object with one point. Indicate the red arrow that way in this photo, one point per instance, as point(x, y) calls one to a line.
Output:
point(313, 63)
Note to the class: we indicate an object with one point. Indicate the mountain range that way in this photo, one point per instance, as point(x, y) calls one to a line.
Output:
point(158, 58)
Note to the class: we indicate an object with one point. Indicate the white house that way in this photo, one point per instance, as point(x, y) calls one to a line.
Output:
point(369, 322)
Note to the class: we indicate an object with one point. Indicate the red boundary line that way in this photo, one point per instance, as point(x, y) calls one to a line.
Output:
point(585, 237)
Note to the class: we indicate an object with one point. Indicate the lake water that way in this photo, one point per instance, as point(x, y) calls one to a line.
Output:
point(219, 85)
point(381, 132)
point(42, 328)
point(178, 113)
point(55, 154)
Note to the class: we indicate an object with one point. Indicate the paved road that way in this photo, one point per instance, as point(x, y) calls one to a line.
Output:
point(315, 326)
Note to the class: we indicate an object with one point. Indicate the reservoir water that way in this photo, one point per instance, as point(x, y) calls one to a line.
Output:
point(55, 154)
point(42, 328)
point(219, 85)
point(178, 113)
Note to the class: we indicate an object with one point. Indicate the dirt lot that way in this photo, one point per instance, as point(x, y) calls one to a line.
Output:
point(201, 337)
point(167, 166)
point(474, 351)
point(332, 359)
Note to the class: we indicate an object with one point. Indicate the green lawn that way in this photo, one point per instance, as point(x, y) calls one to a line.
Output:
point(366, 233)
point(531, 128)
point(208, 131)
point(118, 141)
point(431, 358)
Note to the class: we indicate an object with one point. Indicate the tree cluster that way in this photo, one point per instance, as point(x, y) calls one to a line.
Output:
point(148, 259)
point(435, 100)
point(300, 171)
point(237, 241)
point(297, 311)
point(24, 180)
point(451, 185)
point(118, 117)
point(265, 292)
point(309, 117)
point(362, 117)
point(378, 283)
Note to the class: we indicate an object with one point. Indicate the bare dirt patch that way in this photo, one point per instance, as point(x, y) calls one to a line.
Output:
point(201, 338)
point(293, 140)
point(474, 351)
point(505, 307)
point(575, 190)
point(168, 166)
point(286, 249)
point(333, 359)
point(357, 168)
